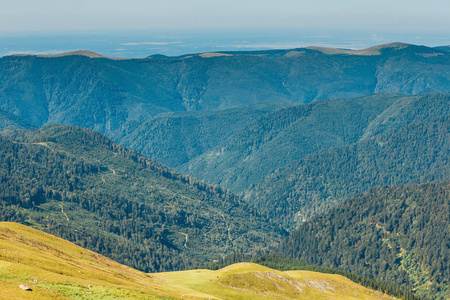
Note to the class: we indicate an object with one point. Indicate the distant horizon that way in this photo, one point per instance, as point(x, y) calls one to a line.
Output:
point(176, 42)
point(87, 51)
point(140, 28)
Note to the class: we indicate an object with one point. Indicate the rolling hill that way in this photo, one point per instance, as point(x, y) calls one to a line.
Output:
point(56, 269)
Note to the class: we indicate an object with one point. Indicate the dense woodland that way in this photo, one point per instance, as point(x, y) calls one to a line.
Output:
point(175, 139)
point(283, 136)
point(103, 94)
point(81, 186)
point(399, 234)
point(417, 153)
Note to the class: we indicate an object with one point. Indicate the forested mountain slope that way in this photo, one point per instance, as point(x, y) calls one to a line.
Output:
point(11, 121)
point(297, 160)
point(81, 186)
point(67, 89)
point(229, 119)
point(178, 138)
point(286, 135)
point(117, 96)
point(417, 153)
point(400, 234)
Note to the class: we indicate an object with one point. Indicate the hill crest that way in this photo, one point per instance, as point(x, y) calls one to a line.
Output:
point(87, 53)
point(371, 51)
point(57, 269)
point(375, 50)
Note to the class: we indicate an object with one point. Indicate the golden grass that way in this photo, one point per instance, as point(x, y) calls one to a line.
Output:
point(209, 55)
point(53, 266)
point(364, 52)
point(56, 269)
point(87, 53)
point(252, 281)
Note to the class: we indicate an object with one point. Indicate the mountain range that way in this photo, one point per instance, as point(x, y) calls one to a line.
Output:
point(165, 163)
point(197, 113)
point(58, 89)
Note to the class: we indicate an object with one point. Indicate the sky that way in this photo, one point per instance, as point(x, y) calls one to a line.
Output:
point(138, 28)
point(43, 15)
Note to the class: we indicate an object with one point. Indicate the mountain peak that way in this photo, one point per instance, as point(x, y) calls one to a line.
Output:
point(375, 50)
point(86, 53)
point(394, 46)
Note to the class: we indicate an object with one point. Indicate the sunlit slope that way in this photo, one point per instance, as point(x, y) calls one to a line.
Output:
point(253, 281)
point(57, 269)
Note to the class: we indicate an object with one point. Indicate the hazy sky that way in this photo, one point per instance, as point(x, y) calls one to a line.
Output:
point(43, 15)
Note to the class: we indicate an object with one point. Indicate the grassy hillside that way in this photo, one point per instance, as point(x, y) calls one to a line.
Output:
point(56, 269)
point(252, 281)
point(81, 186)
point(399, 234)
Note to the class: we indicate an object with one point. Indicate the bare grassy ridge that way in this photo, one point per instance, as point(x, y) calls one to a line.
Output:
point(57, 269)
